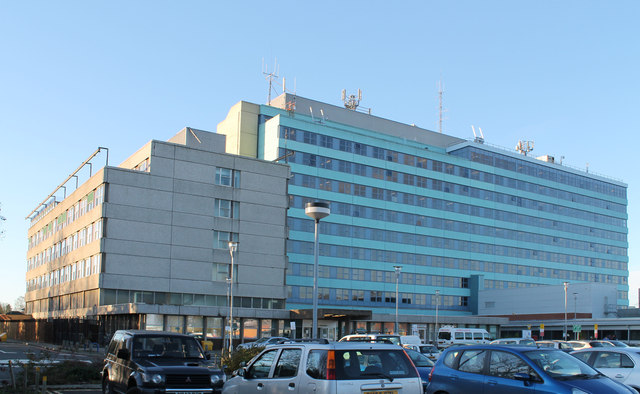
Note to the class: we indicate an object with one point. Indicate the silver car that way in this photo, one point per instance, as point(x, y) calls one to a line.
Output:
point(339, 367)
point(621, 364)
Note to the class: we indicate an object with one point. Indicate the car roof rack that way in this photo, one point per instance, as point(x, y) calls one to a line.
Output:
point(323, 341)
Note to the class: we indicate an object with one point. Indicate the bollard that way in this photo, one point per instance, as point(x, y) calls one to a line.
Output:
point(44, 384)
point(37, 378)
point(13, 378)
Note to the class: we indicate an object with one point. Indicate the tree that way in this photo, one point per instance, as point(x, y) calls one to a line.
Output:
point(4, 308)
point(19, 304)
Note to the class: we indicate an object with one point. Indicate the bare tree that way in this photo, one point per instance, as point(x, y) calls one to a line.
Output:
point(2, 219)
point(19, 304)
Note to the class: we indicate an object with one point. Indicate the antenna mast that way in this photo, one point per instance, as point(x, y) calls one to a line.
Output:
point(270, 76)
point(524, 147)
point(440, 92)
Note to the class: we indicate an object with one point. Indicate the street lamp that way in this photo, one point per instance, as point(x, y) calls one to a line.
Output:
point(437, 305)
point(316, 210)
point(398, 268)
point(233, 246)
point(564, 335)
point(575, 311)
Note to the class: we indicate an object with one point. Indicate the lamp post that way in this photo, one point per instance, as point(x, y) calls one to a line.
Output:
point(575, 311)
point(564, 335)
point(233, 246)
point(398, 268)
point(437, 305)
point(316, 210)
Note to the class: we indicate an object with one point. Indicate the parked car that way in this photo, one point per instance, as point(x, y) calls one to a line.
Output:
point(556, 344)
point(498, 369)
point(422, 364)
point(262, 342)
point(323, 367)
point(389, 338)
point(577, 345)
point(430, 351)
point(155, 361)
point(619, 363)
point(617, 343)
point(514, 341)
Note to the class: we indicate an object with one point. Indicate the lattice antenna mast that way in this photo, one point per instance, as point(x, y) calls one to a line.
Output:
point(441, 110)
point(271, 77)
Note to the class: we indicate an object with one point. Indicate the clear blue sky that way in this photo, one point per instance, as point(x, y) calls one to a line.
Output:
point(76, 75)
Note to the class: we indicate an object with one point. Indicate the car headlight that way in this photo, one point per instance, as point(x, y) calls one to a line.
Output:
point(154, 378)
point(577, 391)
point(216, 379)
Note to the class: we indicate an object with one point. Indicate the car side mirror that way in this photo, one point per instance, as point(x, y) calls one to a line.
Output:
point(243, 364)
point(207, 355)
point(123, 354)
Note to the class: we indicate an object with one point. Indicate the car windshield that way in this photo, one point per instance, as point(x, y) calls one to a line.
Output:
point(261, 340)
point(166, 346)
point(428, 349)
point(560, 365)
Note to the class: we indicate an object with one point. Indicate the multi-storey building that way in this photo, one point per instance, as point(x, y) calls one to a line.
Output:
point(458, 216)
point(146, 244)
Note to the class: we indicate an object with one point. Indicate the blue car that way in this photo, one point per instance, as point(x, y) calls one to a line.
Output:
point(497, 369)
point(422, 364)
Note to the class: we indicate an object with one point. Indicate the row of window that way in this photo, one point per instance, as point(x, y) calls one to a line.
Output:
point(77, 210)
point(413, 219)
point(78, 270)
point(428, 222)
point(120, 296)
point(378, 193)
point(84, 236)
point(388, 256)
point(326, 295)
point(369, 275)
point(489, 158)
point(540, 171)
point(329, 163)
point(82, 299)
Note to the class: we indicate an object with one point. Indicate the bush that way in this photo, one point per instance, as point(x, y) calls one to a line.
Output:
point(65, 372)
point(239, 356)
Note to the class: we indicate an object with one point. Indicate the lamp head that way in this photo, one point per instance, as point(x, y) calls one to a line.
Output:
point(317, 210)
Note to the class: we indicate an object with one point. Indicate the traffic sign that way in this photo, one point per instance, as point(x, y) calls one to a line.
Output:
point(577, 328)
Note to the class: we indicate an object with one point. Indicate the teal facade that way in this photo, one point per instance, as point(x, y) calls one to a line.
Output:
point(458, 218)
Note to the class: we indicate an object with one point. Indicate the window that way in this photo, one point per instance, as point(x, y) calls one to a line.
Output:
point(472, 361)
point(225, 208)
point(221, 239)
point(227, 177)
point(507, 365)
point(261, 367)
point(288, 362)
point(612, 360)
point(317, 364)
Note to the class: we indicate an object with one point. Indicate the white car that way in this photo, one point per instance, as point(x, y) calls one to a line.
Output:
point(262, 342)
point(621, 364)
point(514, 341)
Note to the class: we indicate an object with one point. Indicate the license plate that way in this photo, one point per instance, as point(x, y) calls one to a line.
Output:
point(382, 392)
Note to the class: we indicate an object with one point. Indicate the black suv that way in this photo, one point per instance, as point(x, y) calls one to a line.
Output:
point(153, 361)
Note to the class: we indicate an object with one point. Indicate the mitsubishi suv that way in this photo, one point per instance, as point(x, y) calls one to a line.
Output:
point(323, 367)
point(154, 361)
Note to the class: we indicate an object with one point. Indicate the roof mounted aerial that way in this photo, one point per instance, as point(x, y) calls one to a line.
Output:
point(524, 147)
point(351, 102)
point(479, 139)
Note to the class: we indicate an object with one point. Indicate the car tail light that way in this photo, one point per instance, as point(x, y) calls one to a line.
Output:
point(331, 365)
point(431, 372)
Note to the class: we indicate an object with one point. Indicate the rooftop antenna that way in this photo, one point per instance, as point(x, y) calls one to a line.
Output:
point(524, 147)
point(351, 102)
point(441, 111)
point(271, 76)
point(477, 138)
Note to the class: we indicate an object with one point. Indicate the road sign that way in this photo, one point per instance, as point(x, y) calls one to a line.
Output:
point(577, 328)
point(595, 331)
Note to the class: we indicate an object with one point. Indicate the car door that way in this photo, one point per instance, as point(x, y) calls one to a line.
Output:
point(285, 374)
point(256, 377)
point(469, 377)
point(615, 365)
point(501, 374)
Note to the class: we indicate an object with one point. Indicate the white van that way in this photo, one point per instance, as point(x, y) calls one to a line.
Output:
point(410, 341)
point(449, 336)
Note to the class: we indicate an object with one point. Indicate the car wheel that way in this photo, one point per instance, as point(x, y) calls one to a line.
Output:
point(133, 390)
point(106, 386)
